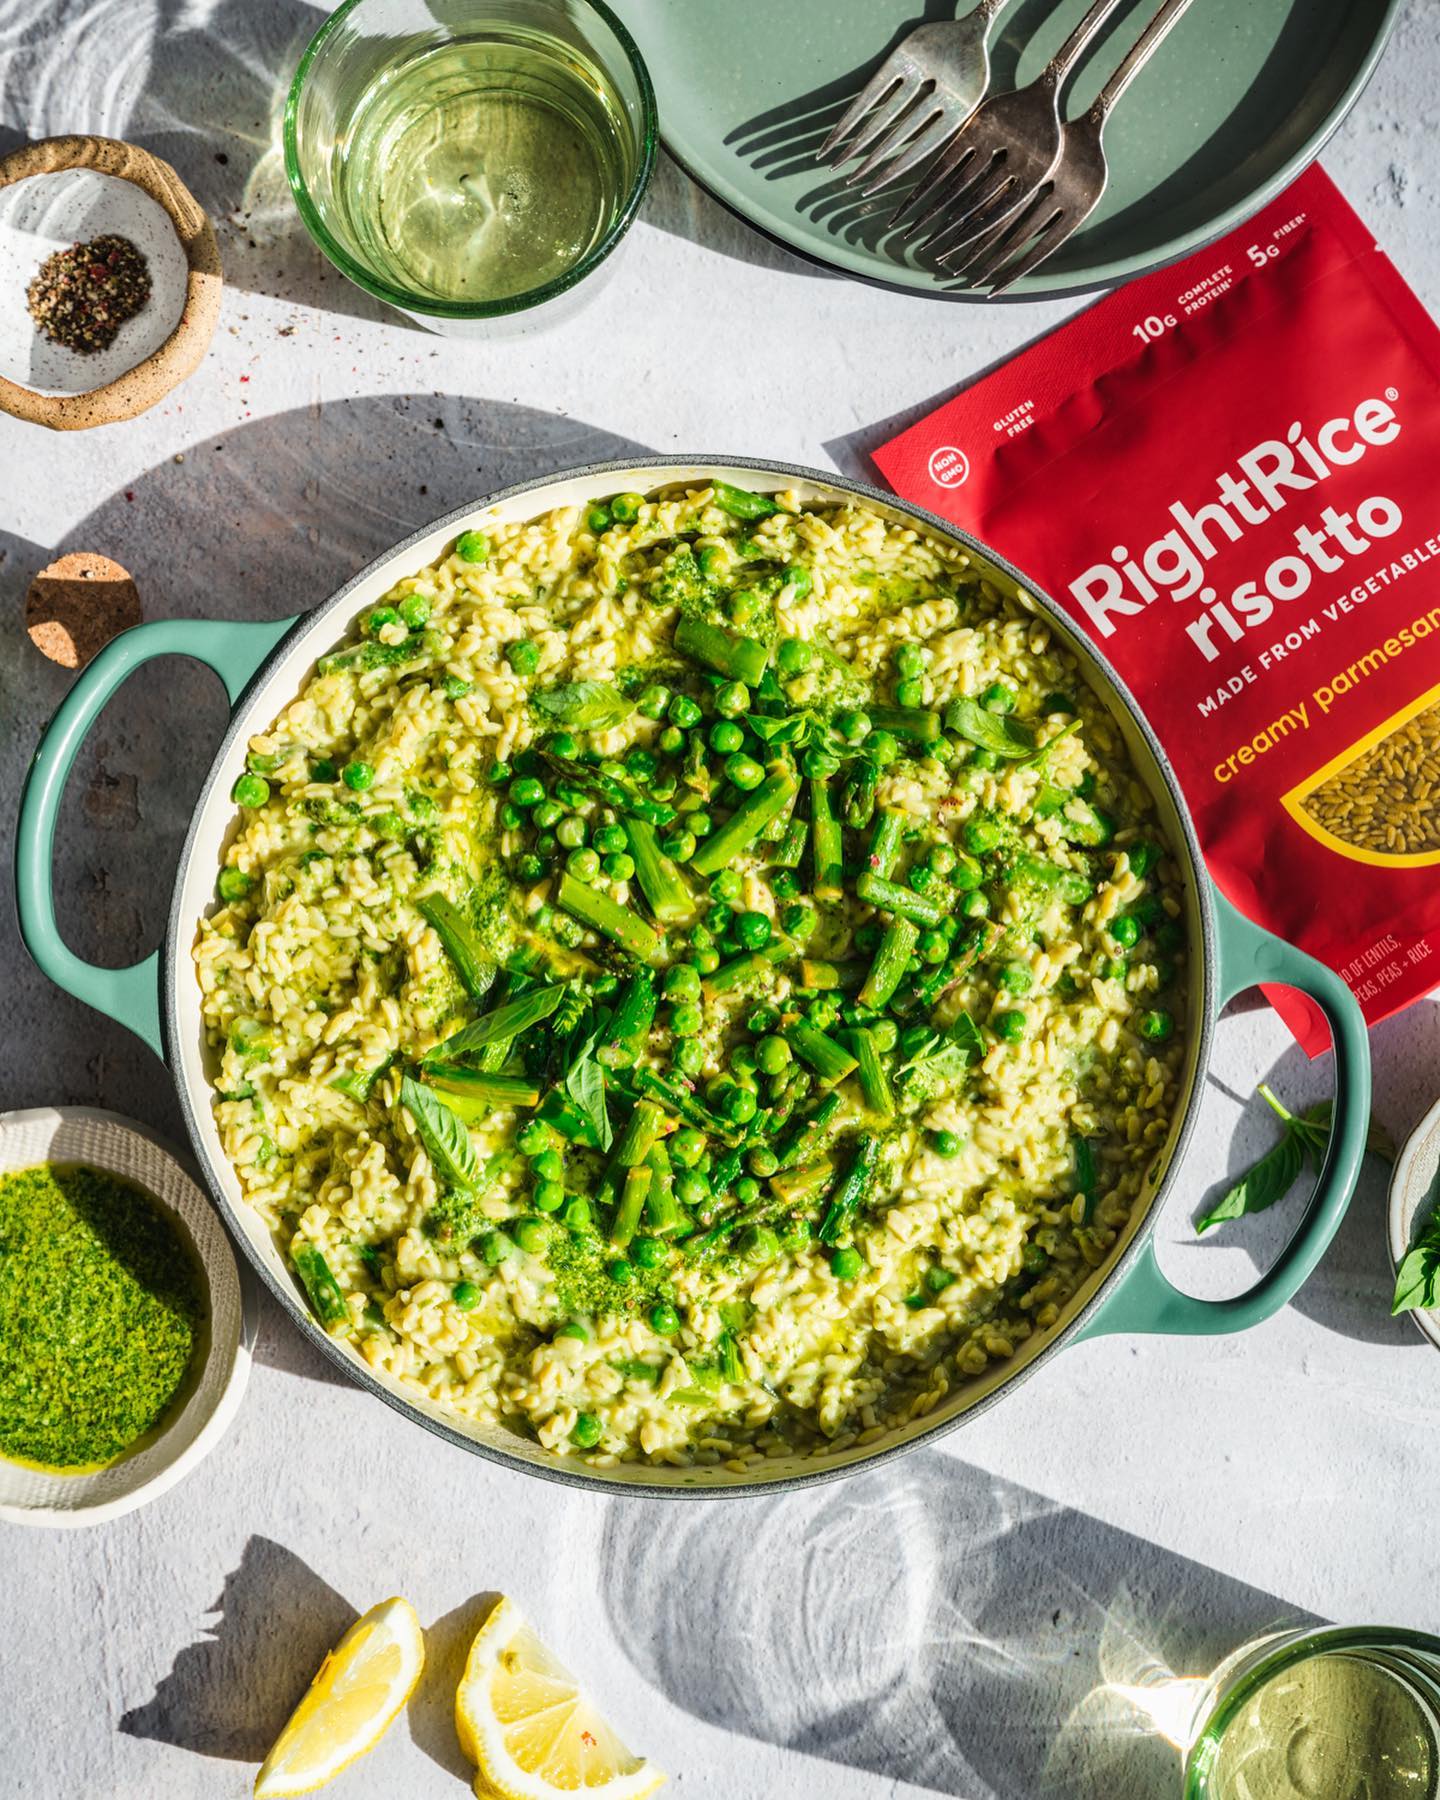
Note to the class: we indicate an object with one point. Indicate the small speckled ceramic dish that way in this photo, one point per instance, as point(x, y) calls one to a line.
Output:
point(82, 1134)
point(69, 190)
point(1413, 1197)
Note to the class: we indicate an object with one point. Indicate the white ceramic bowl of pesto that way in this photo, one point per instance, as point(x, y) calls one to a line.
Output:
point(118, 1146)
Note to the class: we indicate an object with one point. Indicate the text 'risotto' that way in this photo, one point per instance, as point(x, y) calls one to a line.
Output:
point(697, 978)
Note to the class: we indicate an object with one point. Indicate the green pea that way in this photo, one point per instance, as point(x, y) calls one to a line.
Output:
point(967, 874)
point(785, 885)
point(739, 1105)
point(885, 1033)
point(619, 1271)
point(744, 771)
point(688, 1057)
point(772, 1054)
point(250, 790)
point(523, 657)
point(686, 1020)
point(533, 1138)
point(574, 1329)
point(981, 758)
point(714, 559)
point(745, 606)
point(548, 813)
point(846, 1264)
point(495, 1247)
point(380, 618)
point(705, 961)
point(818, 763)
point(528, 791)
point(500, 773)
point(530, 1235)
point(664, 1319)
point(641, 763)
point(529, 869)
point(684, 712)
point(754, 930)
point(747, 1190)
point(619, 865)
point(472, 546)
point(757, 1244)
point(1125, 930)
point(577, 1213)
point(797, 579)
point(700, 823)
point(794, 656)
point(1009, 1027)
point(625, 508)
point(681, 983)
point(727, 886)
point(415, 610)
point(726, 737)
point(921, 878)
point(798, 921)
point(719, 919)
point(910, 693)
point(999, 697)
point(511, 817)
point(980, 835)
point(938, 1279)
point(1156, 1025)
point(570, 832)
point(609, 840)
point(466, 1295)
point(1016, 978)
point(975, 906)
point(732, 700)
point(933, 947)
point(762, 1161)
point(456, 687)
point(687, 1146)
point(587, 1431)
point(910, 661)
point(549, 1197)
point(357, 776)
point(234, 884)
point(882, 748)
point(680, 845)
point(944, 1143)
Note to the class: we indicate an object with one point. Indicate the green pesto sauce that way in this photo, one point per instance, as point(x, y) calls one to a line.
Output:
point(102, 1311)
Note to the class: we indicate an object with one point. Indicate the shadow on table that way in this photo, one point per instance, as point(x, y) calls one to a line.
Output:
point(229, 1693)
point(432, 1711)
point(934, 1624)
point(292, 507)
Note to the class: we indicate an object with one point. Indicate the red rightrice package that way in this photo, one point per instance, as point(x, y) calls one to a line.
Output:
point(1228, 474)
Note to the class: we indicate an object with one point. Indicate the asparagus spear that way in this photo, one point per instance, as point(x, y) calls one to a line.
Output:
point(832, 1062)
point(321, 1286)
point(874, 1082)
point(735, 657)
point(630, 1024)
point(913, 722)
point(746, 823)
point(473, 965)
point(482, 1088)
point(740, 503)
point(607, 916)
point(885, 843)
point(850, 1192)
point(805, 1138)
point(660, 881)
point(892, 956)
point(794, 1185)
point(632, 1206)
point(890, 897)
point(792, 844)
point(826, 843)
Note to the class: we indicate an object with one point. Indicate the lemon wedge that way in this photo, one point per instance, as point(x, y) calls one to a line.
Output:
point(354, 1699)
point(525, 1722)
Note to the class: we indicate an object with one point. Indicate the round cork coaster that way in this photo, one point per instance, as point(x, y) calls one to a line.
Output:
point(77, 604)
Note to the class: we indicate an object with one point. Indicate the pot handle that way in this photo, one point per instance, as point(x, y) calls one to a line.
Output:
point(1144, 1300)
point(234, 652)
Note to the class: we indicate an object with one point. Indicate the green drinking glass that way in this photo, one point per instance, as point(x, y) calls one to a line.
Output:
point(472, 162)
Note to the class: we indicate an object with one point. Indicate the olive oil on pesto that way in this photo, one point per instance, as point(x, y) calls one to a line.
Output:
point(102, 1316)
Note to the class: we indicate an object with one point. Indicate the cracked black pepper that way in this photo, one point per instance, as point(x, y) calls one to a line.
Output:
point(80, 297)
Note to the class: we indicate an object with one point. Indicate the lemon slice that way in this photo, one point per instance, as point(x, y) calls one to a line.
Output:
point(523, 1719)
point(357, 1692)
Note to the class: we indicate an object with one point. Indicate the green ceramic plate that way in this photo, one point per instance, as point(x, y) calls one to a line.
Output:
point(1239, 98)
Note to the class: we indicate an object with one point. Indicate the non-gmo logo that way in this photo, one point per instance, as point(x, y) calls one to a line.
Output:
point(949, 467)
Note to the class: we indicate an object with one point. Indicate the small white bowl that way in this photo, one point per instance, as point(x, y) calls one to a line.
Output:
point(83, 1134)
point(1411, 1184)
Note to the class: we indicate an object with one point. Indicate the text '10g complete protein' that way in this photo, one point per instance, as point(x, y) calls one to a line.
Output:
point(1226, 475)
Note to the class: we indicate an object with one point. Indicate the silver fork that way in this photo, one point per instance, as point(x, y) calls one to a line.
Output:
point(916, 101)
point(1074, 186)
point(996, 161)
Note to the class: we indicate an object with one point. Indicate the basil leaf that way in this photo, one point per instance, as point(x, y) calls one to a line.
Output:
point(1261, 1186)
point(501, 1024)
point(585, 705)
point(945, 1056)
point(1415, 1280)
point(447, 1142)
point(585, 1087)
point(997, 732)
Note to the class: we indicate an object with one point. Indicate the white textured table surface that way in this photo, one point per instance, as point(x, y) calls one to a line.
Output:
point(934, 1628)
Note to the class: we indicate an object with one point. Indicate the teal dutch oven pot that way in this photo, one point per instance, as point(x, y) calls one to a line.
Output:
point(263, 667)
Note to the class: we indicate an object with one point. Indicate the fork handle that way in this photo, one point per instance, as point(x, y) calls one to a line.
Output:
point(1136, 57)
point(1075, 46)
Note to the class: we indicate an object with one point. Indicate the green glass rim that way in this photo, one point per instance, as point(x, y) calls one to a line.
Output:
point(1324, 1640)
point(429, 305)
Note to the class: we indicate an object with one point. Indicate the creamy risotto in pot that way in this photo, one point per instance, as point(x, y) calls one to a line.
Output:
point(696, 978)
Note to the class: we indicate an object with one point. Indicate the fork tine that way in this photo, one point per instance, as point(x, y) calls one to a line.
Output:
point(1051, 236)
point(1006, 213)
point(880, 119)
point(919, 121)
point(930, 193)
point(925, 144)
point(876, 89)
point(974, 210)
point(1000, 241)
